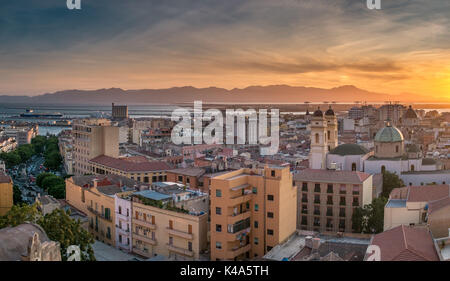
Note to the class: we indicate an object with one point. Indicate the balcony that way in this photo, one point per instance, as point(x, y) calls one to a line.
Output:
point(237, 235)
point(304, 199)
point(122, 217)
point(180, 233)
point(329, 214)
point(145, 224)
point(144, 238)
point(181, 251)
point(341, 214)
point(124, 232)
point(238, 250)
point(98, 214)
point(241, 199)
point(141, 252)
point(123, 246)
point(238, 217)
point(304, 211)
point(342, 203)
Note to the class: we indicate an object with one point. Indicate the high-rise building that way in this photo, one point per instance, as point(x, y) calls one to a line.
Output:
point(119, 111)
point(91, 138)
point(252, 211)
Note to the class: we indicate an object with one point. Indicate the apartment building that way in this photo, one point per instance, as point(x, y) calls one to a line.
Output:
point(119, 111)
point(95, 196)
point(91, 138)
point(135, 168)
point(190, 177)
point(123, 214)
point(327, 198)
point(162, 227)
point(6, 193)
point(252, 211)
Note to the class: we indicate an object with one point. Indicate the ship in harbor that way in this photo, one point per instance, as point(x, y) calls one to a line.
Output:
point(31, 114)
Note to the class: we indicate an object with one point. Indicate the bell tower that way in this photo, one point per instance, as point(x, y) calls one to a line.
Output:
point(319, 144)
point(332, 127)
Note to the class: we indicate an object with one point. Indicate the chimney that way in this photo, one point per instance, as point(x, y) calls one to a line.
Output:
point(315, 244)
point(308, 242)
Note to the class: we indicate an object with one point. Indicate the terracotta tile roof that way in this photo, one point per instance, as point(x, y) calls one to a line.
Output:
point(193, 172)
point(438, 204)
point(319, 175)
point(129, 166)
point(426, 193)
point(405, 243)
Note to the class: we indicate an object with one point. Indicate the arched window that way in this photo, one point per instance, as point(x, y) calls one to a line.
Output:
point(328, 135)
point(353, 166)
point(412, 168)
point(383, 169)
point(317, 138)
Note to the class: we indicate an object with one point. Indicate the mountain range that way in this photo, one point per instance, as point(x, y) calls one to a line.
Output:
point(188, 94)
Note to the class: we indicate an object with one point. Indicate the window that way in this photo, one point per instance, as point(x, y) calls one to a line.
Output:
point(218, 245)
point(254, 190)
point(353, 166)
point(190, 229)
point(272, 173)
point(317, 187)
point(328, 134)
point(269, 231)
point(396, 148)
point(256, 207)
point(316, 199)
point(317, 138)
point(190, 246)
point(218, 193)
point(383, 169)
point(304, 186)
point(270, 197)
point(329, 188)
point(120, 210)
point(269, 214)
point(170, 224)
point(170, 240)
point(218, 211)
point(255, 224)
point(218, 227)
point(412, 168)
point(256, 241)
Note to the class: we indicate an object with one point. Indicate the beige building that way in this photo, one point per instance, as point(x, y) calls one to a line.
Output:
point(327, 198)
point(91, 138)
point(410, 206)
point(94, 196)
point(252, 211)
point(160, 227)
point(6, 193)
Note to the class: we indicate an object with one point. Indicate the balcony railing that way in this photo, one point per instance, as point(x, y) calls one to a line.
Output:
point(342, 214)
point(329, 214)
point(145, 223)
point(144, 238)
point(239, 250)
point(180, 233)
point(97, 213)
point(142, 252)
point(178, 250)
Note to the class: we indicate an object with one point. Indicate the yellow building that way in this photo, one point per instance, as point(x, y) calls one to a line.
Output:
point(91, 138)
point(94, 195)
point(135, 168)
point(169, 231)
point(252, 211)
point(6, 193)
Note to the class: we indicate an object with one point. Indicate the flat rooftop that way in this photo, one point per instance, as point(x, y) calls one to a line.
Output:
point(396, 203)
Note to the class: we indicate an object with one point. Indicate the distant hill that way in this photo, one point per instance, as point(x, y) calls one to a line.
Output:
point(178, 95)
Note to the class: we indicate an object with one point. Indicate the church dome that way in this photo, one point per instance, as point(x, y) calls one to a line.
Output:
point(389, 134)
point(349, 149)
point(329, 112)
point(410, 113)
point(318, 113)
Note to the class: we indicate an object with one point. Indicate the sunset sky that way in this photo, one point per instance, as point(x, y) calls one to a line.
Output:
point(135, 44)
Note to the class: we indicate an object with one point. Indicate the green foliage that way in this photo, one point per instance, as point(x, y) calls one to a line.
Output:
point(57, 225)
point(25, 152)
point(57, 191)
point(51, 181)
point(60, 227)
point(17, 195)
point(39, 144)
point(11, 158)
point(390, 181)
point(53, 160)
point(370, 218)
point(19, 214)
point(41, 177)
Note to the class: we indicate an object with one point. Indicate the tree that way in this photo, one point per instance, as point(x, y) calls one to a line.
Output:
point(39, 143)
point(17, 195)
point(41, 177)
point(60, 227)
point(53, 160)
point(370, 218)
point(57, 191)
point(51, 181)
point(19, 214)
point(390, 181)
point(25, 152)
